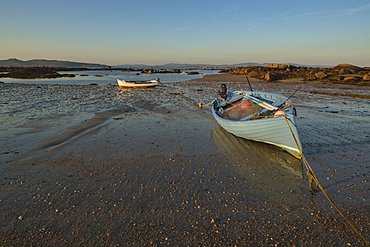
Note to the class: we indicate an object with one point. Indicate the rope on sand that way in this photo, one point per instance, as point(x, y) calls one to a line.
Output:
point(200, 105)
point(312, 177)
point(310, 173)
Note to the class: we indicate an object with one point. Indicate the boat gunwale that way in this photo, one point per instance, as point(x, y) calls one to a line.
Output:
point(289, 112)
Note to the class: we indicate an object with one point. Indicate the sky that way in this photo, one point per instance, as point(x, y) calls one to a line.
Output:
point(155, 32)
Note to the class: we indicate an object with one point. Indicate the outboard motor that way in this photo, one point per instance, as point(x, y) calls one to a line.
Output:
point(223, 91)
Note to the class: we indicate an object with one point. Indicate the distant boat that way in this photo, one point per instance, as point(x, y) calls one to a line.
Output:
point(150, 83)
point(259, 116)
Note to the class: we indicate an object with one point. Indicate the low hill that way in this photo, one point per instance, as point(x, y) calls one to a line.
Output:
point(347, 66)
point(13, 62)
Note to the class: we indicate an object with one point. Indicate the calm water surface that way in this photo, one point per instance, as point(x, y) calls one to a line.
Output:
point(104, 77)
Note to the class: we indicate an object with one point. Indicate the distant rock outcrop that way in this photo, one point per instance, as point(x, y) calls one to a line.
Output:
point(278, 66)
point(366, 77)
point(346, 66)
point(164, 71)
point(341, 73)
point(34, 73)
point(273, 76)
point(352, 79)
point(320, 75)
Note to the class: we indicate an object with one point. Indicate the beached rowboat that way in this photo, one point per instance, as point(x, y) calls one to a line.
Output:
point(150, 83)
point(259, 116)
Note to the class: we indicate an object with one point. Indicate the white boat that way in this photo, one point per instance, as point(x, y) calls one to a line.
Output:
point(259, 116)
point(150, 83)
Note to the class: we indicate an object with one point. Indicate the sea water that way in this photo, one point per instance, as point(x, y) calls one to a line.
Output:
point(105, 77)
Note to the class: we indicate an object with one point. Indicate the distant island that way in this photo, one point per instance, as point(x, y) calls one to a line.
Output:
point(13, 62)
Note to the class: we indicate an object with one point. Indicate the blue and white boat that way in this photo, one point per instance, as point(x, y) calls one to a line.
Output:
point(259, 116)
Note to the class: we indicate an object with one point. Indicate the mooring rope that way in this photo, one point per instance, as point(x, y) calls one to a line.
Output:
point(200, 105)
point(312, 176)
point(310, 173)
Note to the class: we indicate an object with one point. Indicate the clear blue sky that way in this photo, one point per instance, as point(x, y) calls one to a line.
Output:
point(115, 32)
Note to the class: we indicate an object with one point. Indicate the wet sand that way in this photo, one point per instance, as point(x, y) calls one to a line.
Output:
point(102, 166)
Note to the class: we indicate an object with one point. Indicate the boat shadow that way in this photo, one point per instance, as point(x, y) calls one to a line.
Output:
point(271, 173)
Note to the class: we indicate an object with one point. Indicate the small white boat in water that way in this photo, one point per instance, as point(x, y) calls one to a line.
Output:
point(259, 116)
point(150, 83)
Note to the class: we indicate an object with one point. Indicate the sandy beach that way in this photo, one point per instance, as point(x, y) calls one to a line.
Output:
point(97, 165)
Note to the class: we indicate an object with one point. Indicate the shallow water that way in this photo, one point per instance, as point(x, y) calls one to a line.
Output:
point(104, 77)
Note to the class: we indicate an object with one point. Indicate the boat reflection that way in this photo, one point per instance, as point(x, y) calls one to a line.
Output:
point(271, 172)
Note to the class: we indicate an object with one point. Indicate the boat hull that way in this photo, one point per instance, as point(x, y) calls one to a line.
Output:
point(138, 84)
point(280, 131)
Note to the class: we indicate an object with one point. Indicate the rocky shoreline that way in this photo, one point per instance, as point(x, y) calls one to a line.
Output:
point(341, 73)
